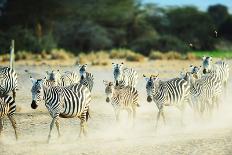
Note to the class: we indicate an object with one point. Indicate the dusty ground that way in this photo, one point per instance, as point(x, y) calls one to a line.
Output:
point(209, 136)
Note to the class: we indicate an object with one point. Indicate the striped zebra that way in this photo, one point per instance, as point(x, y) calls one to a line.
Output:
point(220, 68)
point(205, 92)
point(54, 76)
point(8, 81)
point(122, 98)
point(69, 78)
point(66, 102)
point(174, 92)
point(8, 108)
point(87, 78)
point(124, 76)
point(196, 71)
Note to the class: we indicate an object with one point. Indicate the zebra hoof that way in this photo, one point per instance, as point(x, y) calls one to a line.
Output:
point(149, 99)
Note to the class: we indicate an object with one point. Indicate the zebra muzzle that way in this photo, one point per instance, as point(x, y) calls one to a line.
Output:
point(149, 99)
point(204, 71)
point(107, 99)
point(34, 105)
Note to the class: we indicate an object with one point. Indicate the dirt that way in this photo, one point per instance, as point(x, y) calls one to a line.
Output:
point(211, 136)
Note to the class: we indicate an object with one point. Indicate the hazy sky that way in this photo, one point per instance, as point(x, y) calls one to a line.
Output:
point(202, 4)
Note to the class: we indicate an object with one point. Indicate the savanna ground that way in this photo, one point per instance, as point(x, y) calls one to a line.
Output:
point(105, 136)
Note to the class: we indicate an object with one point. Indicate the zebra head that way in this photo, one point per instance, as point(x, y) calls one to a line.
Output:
point(37, 92)
point(82, 70)
point(150, 86)
point(207, 64)
point(54, 76)
point(117, 71)
point(195, 71)
point(109, 89)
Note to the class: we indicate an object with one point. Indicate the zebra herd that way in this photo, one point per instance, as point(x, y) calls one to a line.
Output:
point(68, 94)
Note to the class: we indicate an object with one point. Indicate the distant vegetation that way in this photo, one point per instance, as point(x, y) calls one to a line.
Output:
point(83, 26)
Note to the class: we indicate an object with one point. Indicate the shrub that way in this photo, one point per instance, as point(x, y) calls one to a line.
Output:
point(171, 55)
point(60, 54)
point(119, 53)
point(131, 56)
point(23, 55)
point(5, 57)
point(156, 55)
point(191, 56)
point(98, 58)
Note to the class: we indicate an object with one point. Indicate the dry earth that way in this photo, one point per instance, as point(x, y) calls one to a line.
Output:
point(211, 136)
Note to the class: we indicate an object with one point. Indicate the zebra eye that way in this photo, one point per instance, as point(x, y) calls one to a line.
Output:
point(38, 91)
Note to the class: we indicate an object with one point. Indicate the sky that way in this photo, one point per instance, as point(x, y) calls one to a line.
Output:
point(201, 4)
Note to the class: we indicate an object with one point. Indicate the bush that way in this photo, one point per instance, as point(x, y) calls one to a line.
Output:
point(191, 56)
point(23, 55)
point(156, 55)
point(119, 53)
point(171, 55)
point(60, 54)
point(131, 56)
point(98, 58)
point(5, 57)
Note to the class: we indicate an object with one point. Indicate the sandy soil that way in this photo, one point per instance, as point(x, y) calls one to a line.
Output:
point(211, 136)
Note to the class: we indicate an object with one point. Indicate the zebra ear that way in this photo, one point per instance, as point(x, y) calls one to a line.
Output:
point(203, 58)
point(33, 80)
point(47, 72)
point(105, 82)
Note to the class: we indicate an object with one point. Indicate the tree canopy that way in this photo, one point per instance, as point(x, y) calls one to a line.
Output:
point(87, 25)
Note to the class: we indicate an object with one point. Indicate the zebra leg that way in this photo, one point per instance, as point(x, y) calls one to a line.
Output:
point(13, 122)
point(51, 127)
point(58, 127)
point(134, 115)
point(83, 124)
point(129, 111)
point(1, 126)
point(157, 119)
point(14, 93)
point(117, 115)
point(164, 119)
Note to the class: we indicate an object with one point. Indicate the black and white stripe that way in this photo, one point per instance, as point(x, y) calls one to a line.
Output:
point(8, 81)
point(122, 98)
point(69, 78)
point(205, 92)
point(174, 92)
point(87, 78)
point(8, 108)
point(124, 76)
point(67, 102)
point(220, 68)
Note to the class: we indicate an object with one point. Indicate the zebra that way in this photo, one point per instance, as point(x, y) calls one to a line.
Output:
point(8, 81)
point(174, 92)
point(8, 108)
point(195, 71)
point(124, 76)
point(54, 76)
point(220, 68)
point(66, 102)
point(87, 78)
point(69, 78)
point(122, 98)
point(205, 91)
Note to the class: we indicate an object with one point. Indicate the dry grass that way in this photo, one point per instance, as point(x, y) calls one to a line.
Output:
point(154, 55)
point(60, 54)
point(97, 58)
point(126, 54)
point(191, 56)
point(173, 55)
point(135, 57)
point(5, 57)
